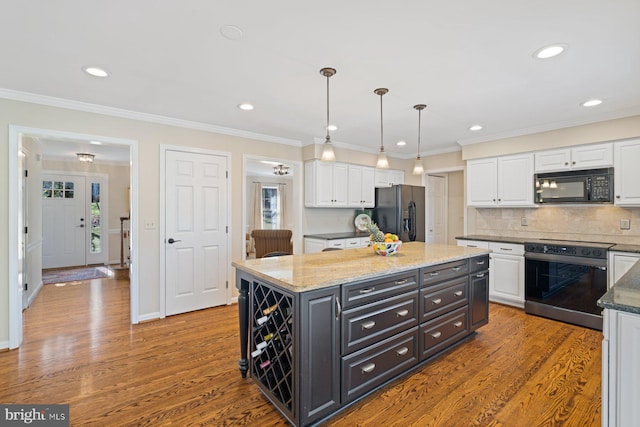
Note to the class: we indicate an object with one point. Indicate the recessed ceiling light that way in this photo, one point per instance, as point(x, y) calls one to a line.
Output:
point(401, 143)
point(475, 128)
point(332, 127)
point(591, 103)
point(549, 51)
point(245, 106)
point(267, 162)
point(96, 72)
point(231, 32)
point(95, 142)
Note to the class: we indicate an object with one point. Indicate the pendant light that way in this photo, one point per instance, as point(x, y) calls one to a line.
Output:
point(418, 167)
point(327, 148)
point(383, 162)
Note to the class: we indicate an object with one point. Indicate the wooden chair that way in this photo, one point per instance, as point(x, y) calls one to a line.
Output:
point(271, 241)
point(275, 253)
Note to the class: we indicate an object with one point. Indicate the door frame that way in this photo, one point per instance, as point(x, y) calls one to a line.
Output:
point(15, 292)
point(297, 198)
point(162, 231)
point(445, 171)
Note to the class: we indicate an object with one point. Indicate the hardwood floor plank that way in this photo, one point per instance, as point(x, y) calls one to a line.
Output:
point(80, 349)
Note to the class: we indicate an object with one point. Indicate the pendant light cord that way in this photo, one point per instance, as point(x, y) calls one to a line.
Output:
point(327, 138)
point(381, 125)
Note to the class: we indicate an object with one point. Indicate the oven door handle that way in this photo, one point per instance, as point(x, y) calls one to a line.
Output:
point(566, 259)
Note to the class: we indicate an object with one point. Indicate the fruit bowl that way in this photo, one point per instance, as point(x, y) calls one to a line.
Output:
point(386, 248)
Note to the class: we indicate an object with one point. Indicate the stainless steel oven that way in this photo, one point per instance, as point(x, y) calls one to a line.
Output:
point(564, 280)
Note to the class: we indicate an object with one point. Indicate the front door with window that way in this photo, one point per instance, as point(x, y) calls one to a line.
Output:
point(63, 221)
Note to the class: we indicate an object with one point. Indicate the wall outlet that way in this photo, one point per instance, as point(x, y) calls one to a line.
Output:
point(150, 224)
point(523, 221)
point(625, 224)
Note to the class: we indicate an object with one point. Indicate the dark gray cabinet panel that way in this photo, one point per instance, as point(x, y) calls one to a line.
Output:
point(441, 272)
point(479, 300)
point(374, 290)
point(443, 331)
point(319, 354)
point(479, 263)
point(444, 297)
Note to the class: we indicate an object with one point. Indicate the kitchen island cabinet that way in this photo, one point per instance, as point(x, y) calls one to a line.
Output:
point(621, 351)
point(320, 331)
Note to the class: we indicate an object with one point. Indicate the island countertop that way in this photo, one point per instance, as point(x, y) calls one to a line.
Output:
point(301, 273)
point(625, 293)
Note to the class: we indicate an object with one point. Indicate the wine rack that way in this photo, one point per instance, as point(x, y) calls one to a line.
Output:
point(271, 342)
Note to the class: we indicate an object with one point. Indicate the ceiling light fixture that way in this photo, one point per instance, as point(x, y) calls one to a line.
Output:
point(281, 170)
point(96, 72)
point(85, 157)
point(383, 162)
point(418, 167)
point(591, 103)
point(549, 51)
point(475, 128)
point(95, 142)
point(327, 148)
point(245, 106)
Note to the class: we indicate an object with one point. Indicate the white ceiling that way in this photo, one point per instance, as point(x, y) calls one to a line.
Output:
point(469, 61)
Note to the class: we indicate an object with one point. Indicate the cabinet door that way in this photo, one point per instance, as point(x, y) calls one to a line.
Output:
point(368, 187)
point(314, 245)
point(515, 180)
point(619, 264)
point(323, 184)
point(355, 186)
point(396, 177)
point(319, 352)
point(627, 373)
point(553, 160)
point(506, 283)
point(479, 299)
point(382, 178)
point(627, 173)
point(592, 156)
point(339, 184)
point(482, 179)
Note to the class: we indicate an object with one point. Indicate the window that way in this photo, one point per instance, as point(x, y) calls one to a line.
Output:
point(57, 190)
point(270, 208)
point(96, 235)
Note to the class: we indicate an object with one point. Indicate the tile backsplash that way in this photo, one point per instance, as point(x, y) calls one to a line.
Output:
point(582, 223)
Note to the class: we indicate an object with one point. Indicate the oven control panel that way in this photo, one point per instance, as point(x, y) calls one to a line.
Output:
point(582, 251)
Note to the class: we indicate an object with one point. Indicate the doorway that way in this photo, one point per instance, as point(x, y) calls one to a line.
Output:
point(31, 214)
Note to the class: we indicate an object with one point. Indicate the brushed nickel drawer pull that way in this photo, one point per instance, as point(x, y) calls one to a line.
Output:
point(506, 249)
point(369, 367)
point(458, 293)
point(472, 246)
point(457, 324)
point(434, 273)
point(480, 275)
point(402, 313)
point(480, 262)
point(368, 325)
point(455, 268)
point(401, 282)
point(437, 301)
point(436, 335)
point(402, 351)
point(367, 290)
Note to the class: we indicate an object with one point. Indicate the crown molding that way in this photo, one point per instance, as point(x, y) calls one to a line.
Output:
point(619, 114)
point(134, 115)
point(360, 148)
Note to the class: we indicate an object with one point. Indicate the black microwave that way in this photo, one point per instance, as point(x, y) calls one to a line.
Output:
point(580, 186)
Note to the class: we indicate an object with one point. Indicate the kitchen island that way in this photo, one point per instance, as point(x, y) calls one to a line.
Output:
point(326, 329)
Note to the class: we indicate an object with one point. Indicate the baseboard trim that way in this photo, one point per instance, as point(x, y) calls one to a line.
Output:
point(149, 316)
point(4, 345)
point(34, 294)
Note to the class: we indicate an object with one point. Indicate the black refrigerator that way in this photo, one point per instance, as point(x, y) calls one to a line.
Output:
point(400, 209)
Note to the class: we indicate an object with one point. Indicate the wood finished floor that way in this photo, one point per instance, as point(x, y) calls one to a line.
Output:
point(80, 349)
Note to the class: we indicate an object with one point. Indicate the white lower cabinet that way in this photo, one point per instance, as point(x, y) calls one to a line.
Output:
point(506, 263)
point(620, 263)
point(312, 245)
point(620, 369)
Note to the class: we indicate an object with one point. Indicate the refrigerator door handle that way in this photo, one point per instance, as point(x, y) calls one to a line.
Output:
point(412, 221)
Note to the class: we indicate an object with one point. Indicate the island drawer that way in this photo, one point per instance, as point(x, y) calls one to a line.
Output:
point(364, 370)
point(443, 297)
point(373, 290)
point(443, 331)
point(368, 324)
point(479, 263)
point(439, 273)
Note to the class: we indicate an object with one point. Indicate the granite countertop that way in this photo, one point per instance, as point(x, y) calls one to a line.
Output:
point(500, 239)
point(625, 293)
point(301, 273)
point(342, 235)
point(625, 248)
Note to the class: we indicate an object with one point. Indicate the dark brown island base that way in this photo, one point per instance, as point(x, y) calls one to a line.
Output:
point(321, 331)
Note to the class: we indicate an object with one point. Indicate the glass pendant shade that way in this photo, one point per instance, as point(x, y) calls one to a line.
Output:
point(328, 155)
point(383, 162)
point(418, 167)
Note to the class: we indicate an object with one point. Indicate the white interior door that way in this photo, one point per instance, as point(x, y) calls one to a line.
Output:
point(63, 220)
point(436, 209)
point(196, 231)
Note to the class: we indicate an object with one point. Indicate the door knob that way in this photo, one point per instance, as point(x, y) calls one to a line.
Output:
point(171, 241)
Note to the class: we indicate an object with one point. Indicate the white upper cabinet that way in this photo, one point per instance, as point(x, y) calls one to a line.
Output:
point(582, 157)
point(388, 177)
point(361, 192)
point(500, 181)
point(627, 173)
point(325, 184)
